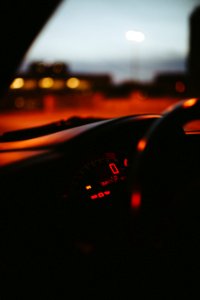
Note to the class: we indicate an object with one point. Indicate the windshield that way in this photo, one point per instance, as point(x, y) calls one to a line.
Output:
point(103, 59)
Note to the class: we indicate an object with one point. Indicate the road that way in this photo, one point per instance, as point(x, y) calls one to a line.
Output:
point(104, 108)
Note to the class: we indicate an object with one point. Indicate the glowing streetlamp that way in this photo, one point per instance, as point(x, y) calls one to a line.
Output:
point(136, 37)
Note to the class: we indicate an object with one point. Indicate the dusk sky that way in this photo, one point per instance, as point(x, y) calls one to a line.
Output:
point(89, 35)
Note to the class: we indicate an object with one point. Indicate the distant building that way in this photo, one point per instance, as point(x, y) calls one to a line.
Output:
point(194, 53)
point(40, 69)
point(48, 85)
point(57, 77)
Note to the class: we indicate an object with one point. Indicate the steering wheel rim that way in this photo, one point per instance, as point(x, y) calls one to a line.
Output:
point(156, 214)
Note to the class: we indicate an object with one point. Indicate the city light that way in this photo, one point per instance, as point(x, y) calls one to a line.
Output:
point(135, 36)
point(46, 82)
point(17, 83)
point(73, 83)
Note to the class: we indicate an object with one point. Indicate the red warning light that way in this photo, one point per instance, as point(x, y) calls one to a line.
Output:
point(104, 183)
point(125, 162)
point(113, 168)
point(136, 200)
point(141, 145)
point(100, 195)
point(107, 193)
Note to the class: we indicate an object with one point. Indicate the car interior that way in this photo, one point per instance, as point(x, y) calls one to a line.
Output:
point(92, 206)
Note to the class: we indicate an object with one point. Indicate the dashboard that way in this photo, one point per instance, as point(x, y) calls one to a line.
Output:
point(93, 159)
point(74, 180)
point(65, 202)
point(106, 210)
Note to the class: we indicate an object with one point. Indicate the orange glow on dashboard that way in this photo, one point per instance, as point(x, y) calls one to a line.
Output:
point(141, 145)
point(136, 200)
point(189, 103)
point(12, 157)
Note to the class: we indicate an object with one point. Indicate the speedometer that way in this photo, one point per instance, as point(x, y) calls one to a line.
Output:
point(101, 178)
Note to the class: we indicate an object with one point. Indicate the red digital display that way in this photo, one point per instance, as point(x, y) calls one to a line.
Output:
point(125, 162)
point(100, 195)
point(113, 168)
point(107, 193)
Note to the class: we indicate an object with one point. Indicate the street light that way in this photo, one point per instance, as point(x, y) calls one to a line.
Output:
point(137, 37)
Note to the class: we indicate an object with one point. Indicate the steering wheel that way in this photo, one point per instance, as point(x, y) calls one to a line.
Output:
point(163, 201)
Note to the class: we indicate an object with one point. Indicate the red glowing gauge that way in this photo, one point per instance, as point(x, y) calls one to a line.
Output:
point(100, 195)
point(100, 178)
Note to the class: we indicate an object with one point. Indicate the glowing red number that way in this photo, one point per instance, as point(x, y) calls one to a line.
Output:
point(113, 168)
